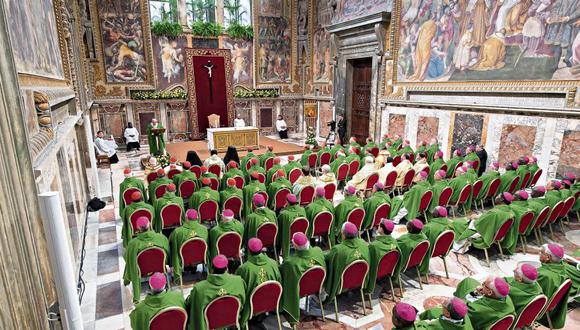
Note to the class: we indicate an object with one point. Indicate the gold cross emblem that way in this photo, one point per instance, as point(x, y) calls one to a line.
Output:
point(150, 244)
point(221, 292)
point(193, 233)
point(262, 275)
point(357, 254)
point(206, 195)
point(311, 263)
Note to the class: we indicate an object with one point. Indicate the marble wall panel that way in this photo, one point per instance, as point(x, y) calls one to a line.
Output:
point(516, 141)
point(397, 124)
point(244, 108)
point(468, 129)
point(289, 110)
point(178, 122)
point(569, 153)
point(325, 111)
point(427, 128)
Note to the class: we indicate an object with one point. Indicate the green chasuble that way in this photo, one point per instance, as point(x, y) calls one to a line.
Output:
point(228, 192)
point(486, 178)
point(276, 186)
point(167, 199)
point(573, 273)
point(371, 205)
point(141, 242)
point(487, 226)
point(552, 197)
point(342, 210)
point(255, 271)
point(407, 242)
point(305, 156)
point(285, 220)
point(471, 175)
point(336, 163)
point(352, 157)
point(506, 181)
point(434, 167)
point(451, 163)
point(189, 230)
point(437, 188)
point(472, 157)
point(340, 256)
point(206, 291)
point(156, 143)
point(232, 172)
point(458, 183)
point(249, 191)
point(291, 165)
point(292, 270)
point(437, 321)
point(318, 205)
point(130, 182)
point(246, 159)
point(204, 194)
point(253, 169)
point(379, 247)
point(153, 304)
point(253, 221)
point(432, 230)
point(521, 171)
point(522, 293)
point(270, 173)
point(405, 150)
point(397, 143)
point(127, 231)
point(411, 200)
point(550, 277)
point(519, 209)
point(431, 150)
point(335, 149)
point(185, 176)
point(263, 157)
point(420, 149)
point(156, 183)
point(222, 228)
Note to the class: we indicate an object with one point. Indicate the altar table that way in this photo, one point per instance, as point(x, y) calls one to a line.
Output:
point(221, 138)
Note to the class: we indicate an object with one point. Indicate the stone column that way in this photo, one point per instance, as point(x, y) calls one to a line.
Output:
point(182, 10)
point(94, 180)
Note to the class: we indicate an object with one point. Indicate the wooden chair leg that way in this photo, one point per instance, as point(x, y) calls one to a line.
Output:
point(321, 308)
point(523, 244)
point(453, 211)
point(419, 277)
point(492, 201)
point(370, 302)
point(278, 317)
point(500, 250)
point(400, 286)
point(561, 225)
point(535, 230)
point(549, 321)
point(329, 244)
point(276, 254)
point(445, 266)
point(362, 297)
point(486, 257)
point(392, 289)
point(368, 236)
point(551, 232)
point(336, 309)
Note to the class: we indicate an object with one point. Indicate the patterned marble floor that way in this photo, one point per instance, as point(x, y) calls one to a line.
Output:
point(107, 303)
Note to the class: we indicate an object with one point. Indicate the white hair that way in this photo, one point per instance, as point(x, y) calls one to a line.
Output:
point(546, 249)
point(369, 160)
point(326, 168)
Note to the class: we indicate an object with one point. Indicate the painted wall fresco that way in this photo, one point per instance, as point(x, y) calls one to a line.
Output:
point(569, 156)
point(321, 59)
point(169, 58)
point(274, 38)
point(325, 117)
point(124, 51)
point(397, 124)
point(34, 37)
point(467, 40)
point(467, 130)
point(350, 9)
point(242, 61)
point(427, 128)
point(516, 141)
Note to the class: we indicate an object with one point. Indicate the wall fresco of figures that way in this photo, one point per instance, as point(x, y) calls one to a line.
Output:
point(321, 59)
point(124, 51)
point(474, 40)
point(274, 42)
point(347, 10)
point(242, 61)
point(169, 56)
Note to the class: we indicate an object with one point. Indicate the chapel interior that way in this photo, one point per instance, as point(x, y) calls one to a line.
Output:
point(316, 104)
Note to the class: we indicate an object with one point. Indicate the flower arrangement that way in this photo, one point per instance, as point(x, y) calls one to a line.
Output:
point(256, 93)
point(163, 160)
point(311, 137)
point(176, 94)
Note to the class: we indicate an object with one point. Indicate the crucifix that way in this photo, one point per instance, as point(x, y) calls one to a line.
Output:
point(209, 66)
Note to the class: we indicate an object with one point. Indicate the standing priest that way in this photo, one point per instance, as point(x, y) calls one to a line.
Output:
point(156, 142)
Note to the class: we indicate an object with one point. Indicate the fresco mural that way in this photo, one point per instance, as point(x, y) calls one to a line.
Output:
point(321, 59)
point(466, 40)
point(274, 43)
point(34, 21)
point(347, 10)
point(169, 58)
point(121, 24)
point(242, 62)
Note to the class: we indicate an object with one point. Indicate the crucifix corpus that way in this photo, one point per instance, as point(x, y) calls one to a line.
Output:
point(209, 66)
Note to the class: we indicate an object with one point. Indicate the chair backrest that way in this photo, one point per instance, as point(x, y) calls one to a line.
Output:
point(151, 177)
point(371, 180)
point(476, 188)
point(311, 281)
point(269, 163)
point(382, 211)
point(354, 275)
point(559, 295)
point(299, 225)
point(312, 159)
point(568, 204)
point(396, 160)
point(525, 222)
point(171, 215)
point(356, 216)
point(306, 195)
point(325, 158)
point(426, 170)
point(387, 264)
point(536, 177)
point(464, 194)
point(222, 312)
point(417, 255)
point(234, 203)
point(262, 178)
point(493, 187)
point(151, 260)
point(526, 180)
point(267, 233)
point(294, 175)
point(208, 210)
point(514, 185)
point(280, 198)
point(173, 173)
point(374, 151)
point(249, 163)
point(503, 230)
point(322, 223)
point(444, 168)
point(445, 196)
point(229, 244)
point(458, 165)
point(193, 252)
point(137, 214)
point(329, 190)
point(476, 165)
point(215, 169)
point(390, 180)
point(408, 180)
point(353, 167)
point(412, 158)
point(530, 313)
point(443, 244)
point(160, 190)
point(504, 323)
point(265, 298)
point(555, 212)
point(214, 184)
point(240, 182)
point(127, 195)
point(170, 318)
point(342, 172)
point(541, 217)
point(425, 200)
point(196, 169)
point(186, 189)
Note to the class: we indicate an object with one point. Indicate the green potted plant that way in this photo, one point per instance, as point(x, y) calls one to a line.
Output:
point(167, 26)
point(203, 14)
point(236, 29)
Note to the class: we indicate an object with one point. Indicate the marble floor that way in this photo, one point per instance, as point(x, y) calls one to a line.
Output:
point(107, 303)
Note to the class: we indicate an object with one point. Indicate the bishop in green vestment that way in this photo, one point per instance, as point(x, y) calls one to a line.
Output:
point(267, 155)
point(411, 199)
point(169, 198)
point(351, 249)
point(433, 150)
point(130, 182)
point(404, 317)
point(407, 242)
point(218, 284)
point(305, 155)
point(532, 168)
point(227, 225)
point(487, 178)
point(378, 248)
point(292, 164)
point(230, 191)
point(350, 202)
point(257, 269)
point(232, 172)
point(339, 160)
point(523, 286)
point(508, 177)
point(438, 223)
point(260, 216)
point(452, 162)
point(471, 156)
point(161, 180)
point(435, 165)
point(250, 155)
point(406, 149)
point(287, 216)
point(255, 168)
point(451, 315)
point(521, 171)
point(439, 184)
point(253, 187)
point(185, 175)
point(319, 204)
point(371, 204)
point(280, 183)
point(336, 148)
point(458, 183)
point(156, 301)
point(271, 173)
point(156, 142)
point(203, 194)
point(191, 229)
point(137, 204)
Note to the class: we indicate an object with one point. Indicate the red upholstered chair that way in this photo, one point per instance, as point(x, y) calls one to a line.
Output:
point(531, 312)
point(262, 178)
point(280, 198)
point(306, 195)
point(499, 236)
point(568, 205)
point(312, 159)
point(427, 170)
point(222, 312)
point(387, 266)
point(136, 215)
point(249, 163)
point(396, 160)
point(424, 203)
point(269, 163)
point(193, 252)
point(536, 177)
point(173, 173)
point(353, 277)
point(151, 177)
point(234, 203)
point(374, 151)
point(325, 158)
point(299, 225)
point(462, 199)
point(445, 196)
point(171, 215)
point(127, 195)
point(504, 323)
point(267, 233)
point(526, 180)
point(556, 299)
point(294, 175)
point(539, 221)
point(229, 244)
point(170, 318)
point(353, 168)
point(215, 169)
point(382, 211)
point(186, 189)
point(208, 210)
point(215, 184)
point(476, 188)
point(441, 247)
point(356, 216)
point(443, 167)
point(196, 170)
point(514, 185)
point(476, 165)
point(390, 181)
point(492, 191)
point(240, 182)
point(525, 222)
point(321, 225)
point(407, 180)
point(455, 169)
point(415, 259)
point(371, 180)
point(554, 214)
point(329, 190)
point(311, 282)
point(160, 190)
point(342, 172)
point(266, 298)
point(151, 260)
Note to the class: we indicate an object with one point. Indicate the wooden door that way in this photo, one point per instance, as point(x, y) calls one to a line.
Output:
point(361, 99)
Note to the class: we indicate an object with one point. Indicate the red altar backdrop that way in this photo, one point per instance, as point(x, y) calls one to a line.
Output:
point(209, 95)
